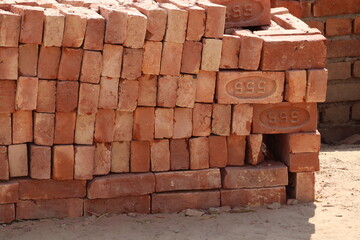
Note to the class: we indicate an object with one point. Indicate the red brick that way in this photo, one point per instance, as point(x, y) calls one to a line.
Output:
point(164, 124)
point(218, 155)
point(335, 7)
point(40, 162)
point(46, 96)
point(128, 95)
point(250, 87)
point(294, 7)
point(151, 57)
point(202, 119)
point(28, 56)
point(357, 25)
point(279, 52)
point(120, 157)
point(215, 19)
point(191, 57)
point(299, 142)
point(70, 64)
point(7, 213)
point(75, 26)
point(22, 127)
point(66, 96)
point(84, 129)
point(302, 186)
point(284, 118)
point(49, 60)
point(147, 90)
point(176, 202)
point(108, 95)
point(136, 29)
point(301, 162)
point(199, 153)
point(140, 156)
point(7, 96)
point(242, 119)
point(196, 23)
point(236, 150)
point(121, 185)
point(221, 118)
point(338, 26)
point(132, 63)
point(31, 23)
point(88, 98)
point(295, 86)
point(144, 123)
point(186, 91)
point(9, 63)
point(116, 21)
point(5, 129)
point(182, 123)
point(9, 21)
point(112, 60)
point(26, 93)
point(317, 24)
point(9, 192)
point(63, 162)
point(123, 126)
point(160, 155)
point(179, 154)
point(56, 208)
point(254, 151)
point(343, 48)
point(104, 125)
point(18, 160)
point(253, 197)
point(230, 52)
point(205, 87)
point(4, 163)
point(289, 21)
point(95, 31)
point(335, 114)
point(102, 158)
point(64, 128)
point(44, 125)
point(54, 24)
point(356, 69)
point(91, 67)
point(167, 91)
point(176, 23)
point(131, 204)
point(339, 70)
point(316, 85)
point(171, 58)
point(211, 54)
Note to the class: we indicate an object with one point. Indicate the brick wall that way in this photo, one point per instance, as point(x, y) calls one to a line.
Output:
point(339, 21)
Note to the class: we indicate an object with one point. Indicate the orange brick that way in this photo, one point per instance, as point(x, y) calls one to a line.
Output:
point(191, 57)
point(123, 128)
point(54, 24)
point(70, 64)
point(132, 63)
point(186, 91)
point(112, 60)
point(75, 26)
point(84, 129)
point(215, 19)
point(7, 213)
point(152, 57)
point(104, 125)
point(116, 23)
point(167, 91)
point(202, 119)
point(221, 118)
point(242, 119)
point(144, 123)
point(64, 128)
point(9, 192)
point(66, 96)
point(294, 7)
point(91, 67)
point(199, 153)
point(22, 126)
point(49, 60)
point(102, 158)
point(176, 23)
point(4, 162)
point(120, 157)
point(40, 162)
point(254, 154)
point(28, 55)
point(357, 25)
point(218, 155)
point(46, 96)
point(9, 21)
point(147, 90)
point(5, 129)
point(338, 26)
point(299, 142)
point(128, 95)
point(160, 155)
point(9, 63)
point(236, 150)
point(95, 31)
point(302, 186)
point(18, 160)
point(295, 86)
point(356, 69)
point(136, 29)
point(205, 87)
point(44, 125)
point(26, 93)
point(7, 96)
point(171, 58)
point(182, 123)
point(88, 98)
point(164, 122)
point(63, 162)
point(211, 54)
point(140, 156)
point(316, 85)
point(230, 52)
point(108, 95)
point(179, 154)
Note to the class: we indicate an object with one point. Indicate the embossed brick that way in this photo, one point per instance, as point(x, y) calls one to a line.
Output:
point(70, 64)
point(120, 157)
point(160, 155)
point(63, 162)
point(147, 90)
point(22, 127)
point(18, 160)
point(191, 57)
point(140, 156)
point(91, 67)
point(199, 153)
point(44, 126)
point(108, 95)
point(102, 158)
point(40, 162)
point(182, 123)
point(236, 150)
point(26, 93)
point(48, 65)
point(179, 154)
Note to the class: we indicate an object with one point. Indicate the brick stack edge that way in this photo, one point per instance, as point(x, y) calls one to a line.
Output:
point(150, 108)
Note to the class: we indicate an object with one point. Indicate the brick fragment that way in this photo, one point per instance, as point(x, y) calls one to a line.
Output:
point(211, 54)
point(40, 162)
point(28, 59)
point(295, 86)
point(112, 60)
point(46, 96)
point(18, 160)
point(215, 19)
point(4, 162)
point(91, 67)
point(230, 52)
point(218, 153)
point(7, 96)
point(254, 154)
point(152, 57)
point(123, 128)
point(44, 125)
point(182, 123)
point(176, 23)
point(221, 118)
point(164, 122)
point(66, 96)
point(316, 85)
point(179, 154)
point(102, 158)
point(22, 127)
point(160, 155)
point(186, 91)
point(191, 57)
point(84, 129)
point(128, 95)
point(167, 91)
point(9, 63)
point(147, 90)
point(70, 64)
point(7, 213)
point(108, 95)
point(88, 98)
point(9, 21)
point(132, 63)
point(199, 153)
point(171, 58)
point(116, 24)
point(104, 125)
point(302, 186)
point(205, 87)
point(202, 119)
point(63, 162)
point(49, 60)
point(120, 157)
point(236, 150)
point(9, 192)
point(54, 24)
point(5, 129)
point(140, 156)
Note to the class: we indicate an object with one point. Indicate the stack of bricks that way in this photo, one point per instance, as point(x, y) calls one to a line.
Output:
point(149, 107)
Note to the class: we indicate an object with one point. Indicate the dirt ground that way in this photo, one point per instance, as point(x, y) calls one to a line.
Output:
point(334, 215)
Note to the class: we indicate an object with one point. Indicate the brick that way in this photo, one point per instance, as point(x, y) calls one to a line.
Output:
point(7, 96)
point(9, 192)
point(302, 186)
point(64, 128)
point(123, 128)
point(202, 119)
point(84, 129)
point(28, 56)
point(336, 114)
point(151, 57)
point(7, 213)
point(345, 91)
point(339, 70)
point(230, 52)
point(241, 119)
point(301, 162)
point(66, 96)
point(167, 91)
point(355, 111)
point(221, 118)
point(294, 7)
point(102, 158)
point(335, 7)
point(176, 23)
point(56, 208)
point(31, 23)
point(108, 94)
point(91, 67)
point(254, 150)
point(140, 156)
point(49, 60)
point(316, 85)
point(289, 21)
point(284, 118)
point(156, 20)
point(104, 124)
point(88, 98)
point(279, 52)
point(164, 125)
point(112, 60)
point(95, 31)
point(199, 153)
point(147, 90)
point(211, 54)
point(178, 201)
point(186, 91)
point(40, 162)
point(54, 24)
point(317, 24)
point(63, 162)
point(131, 204)
point(218, 153)
point(46, 96)
point(215, 19)
point(9, 63)
point(357, 25)
point(136, 29)
point(116, 24)
point(22, 127)
point(4, 163)
point(5, 129)
point(160, 155)
point(132, 63)
point(128, 95)
point(236, 150)
point(171, 58)
point(250, 87)
point(338, 26)
point(182, 123)
point(196, 23)
point(250, 50)
point(191, 57)
point(18, 160)
point(299, 142)
point(9, 21)
point(295, 86)
point(179, 154)
point(26, 93)
point(120, 157)
point(44, 128)
point(75, 27)
point(121, 185)
point(253, 197)
point(70, 64)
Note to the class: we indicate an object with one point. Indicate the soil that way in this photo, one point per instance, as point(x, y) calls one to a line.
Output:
point(334, 215)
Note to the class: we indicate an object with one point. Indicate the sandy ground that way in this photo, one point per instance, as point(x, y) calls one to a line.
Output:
point(334, 215)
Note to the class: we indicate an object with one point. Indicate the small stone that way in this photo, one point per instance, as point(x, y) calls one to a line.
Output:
point(193, 213)
point(274, 205)
point(225, 209)
point(214, 211)
point(292, 202)
point(132, 214)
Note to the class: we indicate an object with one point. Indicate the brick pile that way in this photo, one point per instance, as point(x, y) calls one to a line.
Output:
point(149, 107)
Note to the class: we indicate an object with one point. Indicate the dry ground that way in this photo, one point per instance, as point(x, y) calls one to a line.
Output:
point(335, 215)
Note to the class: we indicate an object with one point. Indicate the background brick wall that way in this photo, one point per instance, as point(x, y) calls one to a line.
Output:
point(339, 21)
